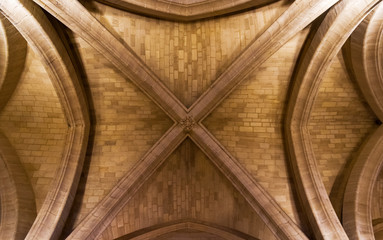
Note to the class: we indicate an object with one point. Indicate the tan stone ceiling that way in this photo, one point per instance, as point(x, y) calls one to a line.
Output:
point(220, 120)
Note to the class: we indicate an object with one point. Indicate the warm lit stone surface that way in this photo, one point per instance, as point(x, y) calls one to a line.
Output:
point(340, 122)
point(249, 124)
point(126, 125)
point(188, 235)
point(377, 198)
point(34, 122)
point(188, 57)
point(187, 186)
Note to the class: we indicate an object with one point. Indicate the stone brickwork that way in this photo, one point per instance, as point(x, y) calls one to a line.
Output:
point(128, 62)
point(127, 124)
point(339, 123)
point(188, 57)
point(249, 124)
point(34, 122)
point(187, 186)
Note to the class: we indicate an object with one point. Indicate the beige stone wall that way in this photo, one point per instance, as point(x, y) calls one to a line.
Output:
point(34, 122)
point(187, 186)
point(126, 124)
point(340, 122)
point(249, 124)
point(188, 57)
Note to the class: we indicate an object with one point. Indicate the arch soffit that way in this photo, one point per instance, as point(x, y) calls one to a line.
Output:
point(365, 53)
point(32, 23)
point(184, 11)
point(325, 43)
point(161, 229)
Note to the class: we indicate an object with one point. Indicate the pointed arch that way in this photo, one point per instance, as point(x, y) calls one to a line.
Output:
point(161, 229)
point(32, 23)
point(183, 11)
point(328, 39)
point(366, 51)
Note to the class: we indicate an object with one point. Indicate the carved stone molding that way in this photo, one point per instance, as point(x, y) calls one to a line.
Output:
point(186, 10)
point(291, 22)
point(188, 123)
point(323, 47)
point(32, 23)
point(161, 229)
point(366, 57)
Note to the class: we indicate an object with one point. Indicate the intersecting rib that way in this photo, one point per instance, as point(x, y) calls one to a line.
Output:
point(366, 61)
point(44, 40)
point(267, 208)
point(293, 20)
point(324, 46)
point(107, 209)
point(81, 22)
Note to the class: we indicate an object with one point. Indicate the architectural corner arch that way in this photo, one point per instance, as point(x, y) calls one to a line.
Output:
point(365, 53)
point(357, 218)
point(161, 229)
point(334, 30)
point(32, 23)
point(18, 207)
point(183, 11)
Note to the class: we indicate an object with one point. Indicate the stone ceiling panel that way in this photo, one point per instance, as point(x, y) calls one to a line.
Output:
point(339, 123)
point(187, 57)
point(126, 124)
point(187, 186)
point(34, 122)
point(249, 124)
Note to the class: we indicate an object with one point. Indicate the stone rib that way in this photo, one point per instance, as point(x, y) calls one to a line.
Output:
point(12, 60)
point(328, 40)
point(267, 208)
point(17, 197)
point(81, 22)
point(293, 20)
point(98, 219)
point(186, 12)
point(365, 58)
point(32, 23)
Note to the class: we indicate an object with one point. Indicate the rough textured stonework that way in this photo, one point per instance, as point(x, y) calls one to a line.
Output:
point(34, 122)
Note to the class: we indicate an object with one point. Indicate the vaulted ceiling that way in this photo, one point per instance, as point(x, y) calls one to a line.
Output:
point(200, 119)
